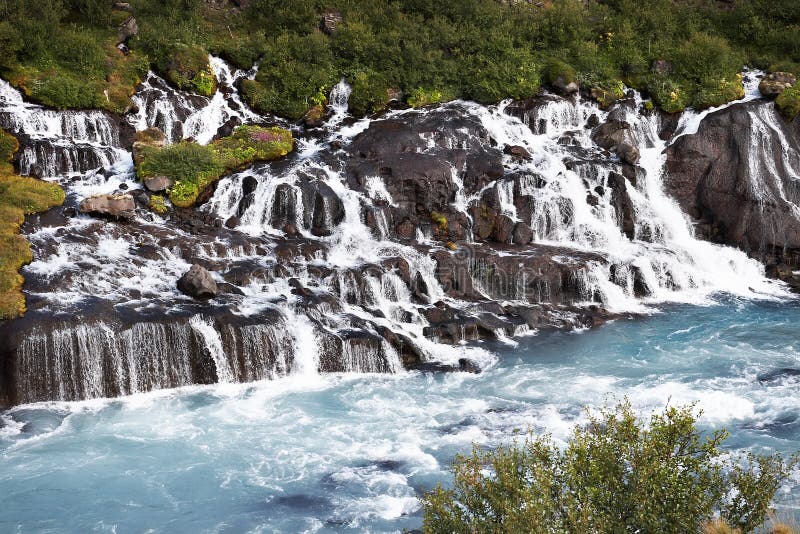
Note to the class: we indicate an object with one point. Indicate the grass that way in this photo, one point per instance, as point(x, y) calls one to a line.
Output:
point(19, 196)
point(195, 167)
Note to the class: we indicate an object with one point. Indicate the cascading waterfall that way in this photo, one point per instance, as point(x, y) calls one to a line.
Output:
point(307, 250)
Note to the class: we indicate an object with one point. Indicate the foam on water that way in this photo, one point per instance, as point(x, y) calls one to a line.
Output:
point(352, 453)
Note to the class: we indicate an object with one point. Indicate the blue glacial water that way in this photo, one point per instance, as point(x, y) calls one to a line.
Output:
point(352, 452)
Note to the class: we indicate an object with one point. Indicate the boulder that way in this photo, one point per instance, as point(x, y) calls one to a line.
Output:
point(774, 83)
point(198, 283)
point(120, 206)
point(330, 21)
point(517, 152)
point(158, 183)
point(523, 234)
point(503, 229)
point(127, 29)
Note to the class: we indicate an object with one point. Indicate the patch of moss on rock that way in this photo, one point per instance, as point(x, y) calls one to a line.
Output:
point(19, 196)
point(158, 204)
point(195, 167)
point(788, 102)
point(187, 68)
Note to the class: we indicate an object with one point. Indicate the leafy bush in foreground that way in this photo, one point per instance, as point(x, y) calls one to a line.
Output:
point(617, 474)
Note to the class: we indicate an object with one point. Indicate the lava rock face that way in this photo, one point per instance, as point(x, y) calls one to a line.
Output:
point(737, 177)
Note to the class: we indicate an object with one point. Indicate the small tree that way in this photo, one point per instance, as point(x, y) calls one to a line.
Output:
point(617, 474)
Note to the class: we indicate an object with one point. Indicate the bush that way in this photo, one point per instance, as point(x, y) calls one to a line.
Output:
point(616, 474)
point(188, 68)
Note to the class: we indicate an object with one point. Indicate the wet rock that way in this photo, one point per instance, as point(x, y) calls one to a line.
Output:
point(197, 282)
point(615, 135)
point(330, 21)
point(232, 222)
point(622, 204)
point(727, 177)
point(523, 235)
point(323, 209)
point(114, 206)
point(517, 152)
point(774, 83)
point(503, 229)
point(406, 229)
point(778, 374)
point(468, 366)
point(228, 127)
point(158, 183)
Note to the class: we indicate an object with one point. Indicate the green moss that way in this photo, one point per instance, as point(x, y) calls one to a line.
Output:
point(194, 167)
point(187, 68)
point(608, 92)
point(788, 102)
point(439, 220)
point(558, 70)
point(19, 196)
point(158, 204)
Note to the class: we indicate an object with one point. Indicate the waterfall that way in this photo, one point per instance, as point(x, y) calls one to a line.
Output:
point(313, 271)
point(213, 344)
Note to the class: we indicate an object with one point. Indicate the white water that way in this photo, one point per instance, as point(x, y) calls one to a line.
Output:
point(663, 255)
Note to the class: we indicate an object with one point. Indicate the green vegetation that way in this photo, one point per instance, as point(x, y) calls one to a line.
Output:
point(439, 220)
point(616, 474)
point(788, 102)
point(194, 167)
point(158, 204)
point(19, 196)
point(62, 52)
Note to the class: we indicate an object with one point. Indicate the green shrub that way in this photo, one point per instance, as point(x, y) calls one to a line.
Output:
point(421, 97)
point(788, 102)
point(370, 93)
point(617, 474)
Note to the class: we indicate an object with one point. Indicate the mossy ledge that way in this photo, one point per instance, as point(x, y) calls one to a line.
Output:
point(195, 167)
point(19, 196)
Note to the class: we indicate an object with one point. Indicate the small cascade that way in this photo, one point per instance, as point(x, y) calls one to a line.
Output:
point(183, 115)
point(57, 143)
point(338, 102)
point(98, 360)
point(213, 344)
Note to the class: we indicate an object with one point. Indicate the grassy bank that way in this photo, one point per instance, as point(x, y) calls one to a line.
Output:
point(61, 52)
point(195, 167)
point(19, 196)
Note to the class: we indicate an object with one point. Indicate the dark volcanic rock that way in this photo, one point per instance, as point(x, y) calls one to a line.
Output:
point(198, 283)
point(727, 176)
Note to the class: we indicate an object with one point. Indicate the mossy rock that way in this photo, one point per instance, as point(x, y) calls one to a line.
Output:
point(788, 102)
point(195, 167)
point(606, 93)
point(188, 69)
